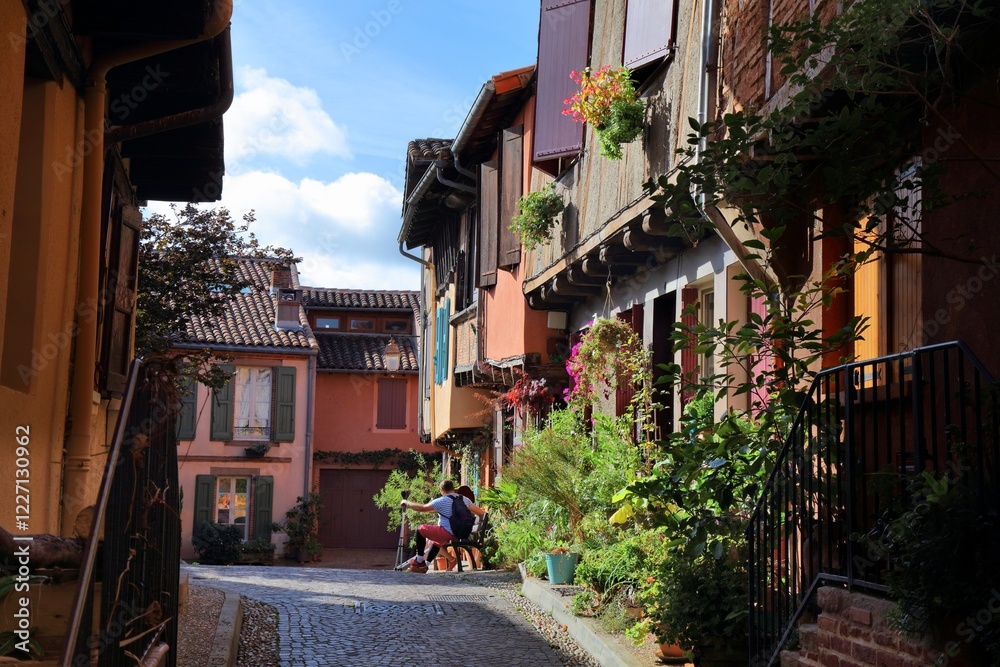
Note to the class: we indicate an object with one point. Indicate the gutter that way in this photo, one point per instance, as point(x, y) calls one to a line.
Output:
point(193, 116)
point(301, 352)
point(92, 146)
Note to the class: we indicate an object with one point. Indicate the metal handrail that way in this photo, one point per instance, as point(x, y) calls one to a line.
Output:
point(90, 551)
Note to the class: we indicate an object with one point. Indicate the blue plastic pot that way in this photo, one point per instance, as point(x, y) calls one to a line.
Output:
point(561, 567)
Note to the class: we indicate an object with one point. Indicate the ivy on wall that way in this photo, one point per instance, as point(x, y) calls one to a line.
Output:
point(404, 460)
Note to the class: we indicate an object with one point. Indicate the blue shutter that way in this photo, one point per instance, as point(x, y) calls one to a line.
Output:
point(445, 335)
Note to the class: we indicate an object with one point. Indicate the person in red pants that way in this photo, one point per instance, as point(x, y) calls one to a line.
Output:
point(431, 537)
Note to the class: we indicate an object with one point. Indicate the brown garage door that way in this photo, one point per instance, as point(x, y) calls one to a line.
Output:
point(350, 518)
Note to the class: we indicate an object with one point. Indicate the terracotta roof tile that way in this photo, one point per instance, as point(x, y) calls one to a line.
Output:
point(363, 352)
point(249, 318)
point(429, 149)
point(318, 297)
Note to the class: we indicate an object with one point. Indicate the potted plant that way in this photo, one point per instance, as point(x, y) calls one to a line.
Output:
point(257, 450)
point(700, 601)
point(533, 225)
point(608, 101)
point(218, 543)
point(301, 523)
point(257, 551)
point(560, 564)
point(942, 549)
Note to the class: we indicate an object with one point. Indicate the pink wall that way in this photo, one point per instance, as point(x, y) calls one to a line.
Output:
point(345, 415)
point(286, 461)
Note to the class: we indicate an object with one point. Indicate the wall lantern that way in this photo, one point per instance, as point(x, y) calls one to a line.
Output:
point(391, 356)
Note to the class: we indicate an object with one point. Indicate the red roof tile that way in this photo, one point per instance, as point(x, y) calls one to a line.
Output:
point(363, 352)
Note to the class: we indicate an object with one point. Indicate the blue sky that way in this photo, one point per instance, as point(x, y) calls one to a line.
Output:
point(327, 97)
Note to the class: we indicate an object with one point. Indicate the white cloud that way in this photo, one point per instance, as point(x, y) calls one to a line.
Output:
point(344, 230)
point(270, 116)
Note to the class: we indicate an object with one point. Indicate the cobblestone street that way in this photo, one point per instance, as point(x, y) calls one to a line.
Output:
point(372, 617)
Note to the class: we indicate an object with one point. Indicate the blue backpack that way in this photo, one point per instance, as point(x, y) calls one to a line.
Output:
point(461, 517)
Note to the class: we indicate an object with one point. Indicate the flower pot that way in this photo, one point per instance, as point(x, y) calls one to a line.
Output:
point(673, 653)
point(561, 567)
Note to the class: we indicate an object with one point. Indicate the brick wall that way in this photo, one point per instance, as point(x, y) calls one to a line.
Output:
point(852, 630)
point(743, 50)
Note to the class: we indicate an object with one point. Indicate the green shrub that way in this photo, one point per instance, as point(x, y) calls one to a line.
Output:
point(217, 543)
point(421, 485)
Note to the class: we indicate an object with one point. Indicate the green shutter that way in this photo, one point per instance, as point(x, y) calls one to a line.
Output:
point(222, 408)
point(204, 489)
point(262, 500)
point(283, 378)
point(187, 422)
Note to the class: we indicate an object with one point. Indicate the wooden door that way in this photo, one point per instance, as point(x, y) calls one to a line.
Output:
point(350, 518)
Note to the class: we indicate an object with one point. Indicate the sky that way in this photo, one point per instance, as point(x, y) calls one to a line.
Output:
point(327, 97)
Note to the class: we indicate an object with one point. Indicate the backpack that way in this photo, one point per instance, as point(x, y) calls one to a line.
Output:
point(461, 517)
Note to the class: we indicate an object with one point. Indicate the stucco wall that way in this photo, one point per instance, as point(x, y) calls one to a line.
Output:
point(346, 406)
point(35, 382)
point(286, 461)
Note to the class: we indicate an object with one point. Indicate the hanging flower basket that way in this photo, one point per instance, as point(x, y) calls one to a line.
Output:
point(610, 354)
point(533, 225)
point(608, 101)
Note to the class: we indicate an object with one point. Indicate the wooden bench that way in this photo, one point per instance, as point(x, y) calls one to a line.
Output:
point(473, 541)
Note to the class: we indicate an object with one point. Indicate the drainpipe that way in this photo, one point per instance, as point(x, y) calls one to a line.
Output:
point(310, 391)
point(75, 492)
point(454, 184)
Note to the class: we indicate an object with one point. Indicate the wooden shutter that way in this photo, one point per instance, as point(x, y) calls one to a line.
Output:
point(626, 392)
point(489, 211)
point(187, 416)
point(563, 47)
point(689, 358)
point(391, 411)
point(263, 499)
point(222, 408)
point(445, 342)
point(512, 176)
point(283, 403)
point(204, 501)
point(119, 308)
point(761, 362)
point(438, 330)
point(649, 31)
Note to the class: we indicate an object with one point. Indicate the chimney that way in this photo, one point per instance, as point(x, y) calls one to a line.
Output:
point(281, 277)
point(286, 314)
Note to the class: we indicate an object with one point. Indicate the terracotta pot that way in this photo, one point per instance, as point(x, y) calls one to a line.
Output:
point(673, 653)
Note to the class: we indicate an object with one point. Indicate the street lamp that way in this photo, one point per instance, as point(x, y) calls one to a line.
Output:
point(391, 356)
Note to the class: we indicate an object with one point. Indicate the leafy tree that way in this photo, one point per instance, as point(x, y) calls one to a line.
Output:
point(188, 267)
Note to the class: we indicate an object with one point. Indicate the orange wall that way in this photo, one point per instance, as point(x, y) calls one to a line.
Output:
point(512, 328)
point(345, 415)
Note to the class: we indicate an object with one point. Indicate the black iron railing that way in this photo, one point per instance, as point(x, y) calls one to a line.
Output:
point(131, 562)
point(864, 430)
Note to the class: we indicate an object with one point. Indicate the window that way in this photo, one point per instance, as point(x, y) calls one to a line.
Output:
point(252, 404)
point(706, 317)
point(396, 326)
point(563, 45)
point(649, 33)
point(231, 502)
point(327, 322)
point(391, 409)
point(257, 403)
point(362, 325)
point(234, 499)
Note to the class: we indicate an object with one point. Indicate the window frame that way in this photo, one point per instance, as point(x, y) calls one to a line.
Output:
point(231, 481)
point(402, 320)
point(335, 327)
point(268, 431)
point(353, 320)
